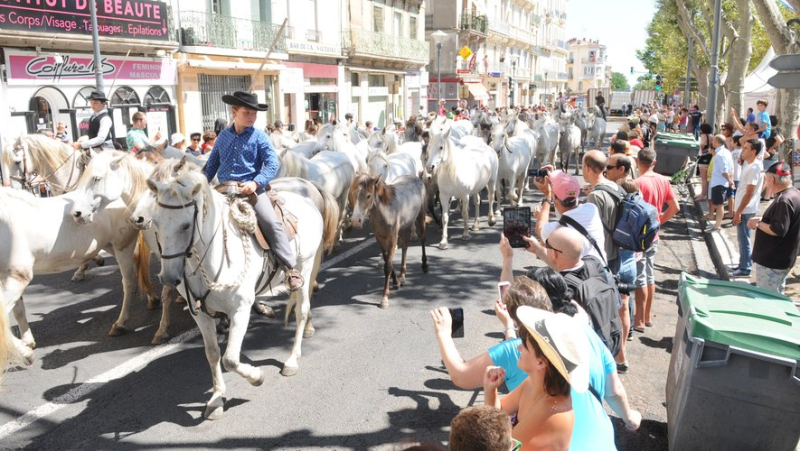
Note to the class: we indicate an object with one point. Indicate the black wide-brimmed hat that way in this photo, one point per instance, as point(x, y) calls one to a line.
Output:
point(97, 95)
point(245, 99)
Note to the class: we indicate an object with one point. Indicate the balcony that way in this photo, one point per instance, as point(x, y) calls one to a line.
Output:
point(475, 23)
point(497, 68)
point(597, 61)
point(521, 73)
point(357, 42)
point(199, 29)
point(521, 34)
point(499, 27)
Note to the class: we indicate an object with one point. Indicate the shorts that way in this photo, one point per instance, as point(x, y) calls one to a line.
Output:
point(682, 128)
point(719, 194)
point(645, 270)
point(732, 189)
point(705, 159)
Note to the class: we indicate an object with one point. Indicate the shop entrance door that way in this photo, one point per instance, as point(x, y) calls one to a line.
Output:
point(42, 114)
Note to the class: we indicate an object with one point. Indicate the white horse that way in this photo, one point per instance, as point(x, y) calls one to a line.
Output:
point(337, 138)
point(390, 167)
point(331, 171)
point(581, 121)
point(53, 161)
point(38, 236)
point(461, 173)
point(386, 141)
point(514, 155)
point(597, 130)
point(570, 142)
point(216, 277)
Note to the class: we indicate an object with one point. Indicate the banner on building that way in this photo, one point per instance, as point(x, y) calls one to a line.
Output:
point(131, 19)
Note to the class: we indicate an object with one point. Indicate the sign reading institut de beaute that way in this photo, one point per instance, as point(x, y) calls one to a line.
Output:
point(132, 19)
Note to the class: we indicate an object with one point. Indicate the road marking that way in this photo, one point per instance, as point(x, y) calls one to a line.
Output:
point(128, 367)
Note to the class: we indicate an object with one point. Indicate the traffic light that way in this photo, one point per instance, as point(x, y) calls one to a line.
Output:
point(659, 82)
point(631, 70)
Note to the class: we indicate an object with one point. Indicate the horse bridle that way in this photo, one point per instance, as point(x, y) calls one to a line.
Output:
point(188, 252)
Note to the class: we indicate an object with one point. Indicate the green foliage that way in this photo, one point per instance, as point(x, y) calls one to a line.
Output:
point(619, 82)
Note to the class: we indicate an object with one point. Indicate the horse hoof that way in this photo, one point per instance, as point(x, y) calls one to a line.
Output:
point(213, 413)
point(180, 300)
point(153, 303)
point(466, 237)
point(290, 370)
point(475, 228)
point(28, 357)
point(263, 310)
point(116, 331)
point(309, 333)
point(442, 246)
point(492, 222)
point(29, 344)
point(100, 261)
point(78, 277)
point(258, 381)
point(159, 339)
point(385, 304)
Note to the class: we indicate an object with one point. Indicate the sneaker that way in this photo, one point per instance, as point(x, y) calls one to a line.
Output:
point(740, 273)
point(294, 280)
point(622, 368)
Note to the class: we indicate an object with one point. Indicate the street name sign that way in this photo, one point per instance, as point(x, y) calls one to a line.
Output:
point(785, 80)
point(786, 62)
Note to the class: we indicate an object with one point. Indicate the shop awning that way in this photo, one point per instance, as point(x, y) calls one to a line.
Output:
point(478, 91)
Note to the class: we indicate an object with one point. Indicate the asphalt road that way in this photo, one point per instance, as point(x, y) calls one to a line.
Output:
point(369, 378)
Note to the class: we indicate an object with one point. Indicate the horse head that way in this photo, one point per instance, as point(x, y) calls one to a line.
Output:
point(165, 171)
point(109, 176)
point(363, 191)
point(177, 216)
point(378, 163)
point(438, 151)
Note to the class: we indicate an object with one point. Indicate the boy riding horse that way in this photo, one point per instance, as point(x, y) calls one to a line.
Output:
point(245, 155)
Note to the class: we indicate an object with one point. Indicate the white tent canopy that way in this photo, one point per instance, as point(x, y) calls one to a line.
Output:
point(755, 84)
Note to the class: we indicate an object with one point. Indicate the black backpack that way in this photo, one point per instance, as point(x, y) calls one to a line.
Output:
point(597, 294)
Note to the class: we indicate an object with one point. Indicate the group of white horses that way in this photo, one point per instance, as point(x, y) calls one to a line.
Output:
point(130, 208)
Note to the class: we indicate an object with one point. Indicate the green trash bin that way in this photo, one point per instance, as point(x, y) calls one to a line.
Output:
point(733, 381)
point(672, 153)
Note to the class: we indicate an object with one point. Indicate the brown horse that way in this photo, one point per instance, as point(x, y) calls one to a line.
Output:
point(394, 210)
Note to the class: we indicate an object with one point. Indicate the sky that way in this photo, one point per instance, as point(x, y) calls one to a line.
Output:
point(619, 25)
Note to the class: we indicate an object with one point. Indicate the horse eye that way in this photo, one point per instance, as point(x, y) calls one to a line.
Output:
point(369, 196)
point(185, 227)
point(97, 179)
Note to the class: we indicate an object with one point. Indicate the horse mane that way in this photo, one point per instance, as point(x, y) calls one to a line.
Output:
point(385, 192)
point(292, 165)
point(47, 154)
point(171, 168)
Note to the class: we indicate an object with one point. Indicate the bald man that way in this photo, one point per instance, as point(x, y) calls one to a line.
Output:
point(562, 250)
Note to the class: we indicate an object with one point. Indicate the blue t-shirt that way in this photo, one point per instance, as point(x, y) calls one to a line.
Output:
point(506, 355)
point(762, 119)
point(593, 429)
point(750, 118)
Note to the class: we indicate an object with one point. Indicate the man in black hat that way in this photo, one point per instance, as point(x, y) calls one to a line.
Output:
point(777, 240)
point(100, 125)
point(245, 155)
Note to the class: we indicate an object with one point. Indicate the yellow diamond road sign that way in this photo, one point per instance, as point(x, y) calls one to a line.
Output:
point(465, 52)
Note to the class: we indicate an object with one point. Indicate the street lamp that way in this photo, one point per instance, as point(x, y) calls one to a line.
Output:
point(514, 59)
point(545, 89)
point(437, 37)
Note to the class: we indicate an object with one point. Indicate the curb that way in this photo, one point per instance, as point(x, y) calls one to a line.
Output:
point(718, 262)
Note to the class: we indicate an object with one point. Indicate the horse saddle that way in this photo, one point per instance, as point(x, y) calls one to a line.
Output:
point(289, 221)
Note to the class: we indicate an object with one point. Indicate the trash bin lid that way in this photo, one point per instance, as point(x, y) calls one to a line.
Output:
point(677, 143)
point(675, 136)
point(740, 315)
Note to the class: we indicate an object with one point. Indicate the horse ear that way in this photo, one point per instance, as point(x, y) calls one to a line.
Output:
point(115, 162)
point(196, 188)
point(154, 186)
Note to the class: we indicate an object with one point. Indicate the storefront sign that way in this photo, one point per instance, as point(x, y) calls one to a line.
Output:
point(312, 47)
point(132, 19)
point(378, 91)
point(291, 80)
point(30, 68)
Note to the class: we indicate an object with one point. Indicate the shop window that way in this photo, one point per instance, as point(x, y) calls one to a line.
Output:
point(354, 79)
point(377, 80)
point(156, 96)
point(43, 113)
point(212, 88)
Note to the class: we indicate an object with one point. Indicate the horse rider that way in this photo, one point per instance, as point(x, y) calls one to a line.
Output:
point(600, 101)
point(245, 155)
point(100, 125)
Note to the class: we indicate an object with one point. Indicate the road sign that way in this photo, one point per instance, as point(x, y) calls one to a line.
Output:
point(785, 80)
point(465, 52)
point(786, 62)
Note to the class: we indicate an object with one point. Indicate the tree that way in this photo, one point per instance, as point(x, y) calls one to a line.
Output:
point(619, 82)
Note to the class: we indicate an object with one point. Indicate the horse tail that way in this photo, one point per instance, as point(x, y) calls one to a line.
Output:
point(330, 219)
point(143, 265)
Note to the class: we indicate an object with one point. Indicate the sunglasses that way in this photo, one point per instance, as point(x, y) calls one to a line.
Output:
point(548, 246)
point(196, 139)
point(609, 167)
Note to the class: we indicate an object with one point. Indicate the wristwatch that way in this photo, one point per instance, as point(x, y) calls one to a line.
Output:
point(547, 201)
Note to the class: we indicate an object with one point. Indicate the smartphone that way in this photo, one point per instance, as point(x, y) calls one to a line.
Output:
point(502, 287)
point(516, 224)
point(458, 322)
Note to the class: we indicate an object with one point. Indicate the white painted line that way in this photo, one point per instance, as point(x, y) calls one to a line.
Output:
point(94, 383)
point(126, 368)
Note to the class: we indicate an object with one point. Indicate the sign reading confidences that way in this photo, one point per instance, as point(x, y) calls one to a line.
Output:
point(134, 19)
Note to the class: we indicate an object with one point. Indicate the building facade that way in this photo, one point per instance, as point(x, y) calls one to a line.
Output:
point(552, 65)
point(587, 66)
point(49, 69)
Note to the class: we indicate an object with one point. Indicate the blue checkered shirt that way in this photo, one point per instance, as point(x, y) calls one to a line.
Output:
point(248, 156)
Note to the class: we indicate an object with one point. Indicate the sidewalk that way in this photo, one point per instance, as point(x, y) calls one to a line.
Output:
point(724, 248)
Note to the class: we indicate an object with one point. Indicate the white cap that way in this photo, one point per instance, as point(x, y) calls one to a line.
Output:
point(176, 139)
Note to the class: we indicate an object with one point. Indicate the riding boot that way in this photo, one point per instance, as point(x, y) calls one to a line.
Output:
point(273, 231)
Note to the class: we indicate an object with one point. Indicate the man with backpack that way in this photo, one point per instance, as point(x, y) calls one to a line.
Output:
point(656, 191)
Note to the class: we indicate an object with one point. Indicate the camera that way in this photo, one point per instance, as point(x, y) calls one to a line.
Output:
point(537, 172)
point(623, 288)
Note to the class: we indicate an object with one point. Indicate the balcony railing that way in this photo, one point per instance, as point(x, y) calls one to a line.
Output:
point(214, 30)
point(498, 26)
point(592, 60)
point(475, 23)
point(497, 67)
point(369, 43)
point(520, 34)
point(562, 76)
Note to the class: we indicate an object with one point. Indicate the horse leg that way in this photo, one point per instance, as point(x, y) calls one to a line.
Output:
point(13, 287)
point(80, 273)
point(445, 222)
point(520, 182)
point(476, 202)
point(403, 239)
point(215, 404)
point(577, 153)
point(388, 269)
point(302, 314)
point(491, 187)
point(162, 334)
point(238, 326)
point(128, 271)
point(465, 215)
point(309, 329)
